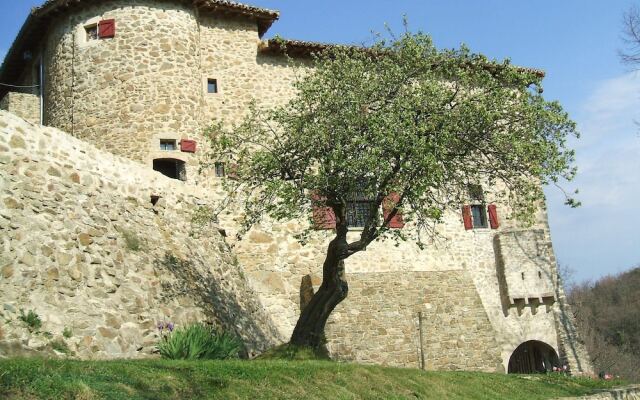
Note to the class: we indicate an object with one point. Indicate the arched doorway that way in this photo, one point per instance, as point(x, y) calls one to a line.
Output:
point(171, 167)
point(533, 357)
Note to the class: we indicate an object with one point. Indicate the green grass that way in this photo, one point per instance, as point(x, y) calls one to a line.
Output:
point(269, 379)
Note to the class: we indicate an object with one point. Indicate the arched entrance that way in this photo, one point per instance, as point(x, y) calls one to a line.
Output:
point(533, 357)
point(171, 167)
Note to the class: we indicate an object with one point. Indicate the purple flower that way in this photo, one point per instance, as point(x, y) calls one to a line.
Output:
point(160, 326)
point(170, 326)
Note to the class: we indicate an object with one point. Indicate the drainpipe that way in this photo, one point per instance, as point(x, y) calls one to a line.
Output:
point(41, 72)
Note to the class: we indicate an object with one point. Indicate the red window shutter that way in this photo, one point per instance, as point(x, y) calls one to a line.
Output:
point(107, 28)
point(493, 216)
point(323, 216)
point(188, 146)
point(466, 217)
point(232, 173)
point(388, 204)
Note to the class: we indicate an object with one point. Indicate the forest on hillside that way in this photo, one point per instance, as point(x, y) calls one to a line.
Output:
point(608, 318)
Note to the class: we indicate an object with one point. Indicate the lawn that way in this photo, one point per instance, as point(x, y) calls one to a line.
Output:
point(267, 379)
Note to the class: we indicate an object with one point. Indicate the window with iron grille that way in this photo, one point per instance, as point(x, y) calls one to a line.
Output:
point(359, 210)
point(358, 213)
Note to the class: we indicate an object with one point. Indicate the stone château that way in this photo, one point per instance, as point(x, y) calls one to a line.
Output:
point(95, 241)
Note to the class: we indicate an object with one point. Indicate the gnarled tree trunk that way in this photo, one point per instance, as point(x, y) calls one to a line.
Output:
point(309, 330)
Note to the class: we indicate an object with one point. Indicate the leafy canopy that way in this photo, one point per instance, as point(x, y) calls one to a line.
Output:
point(400, 116)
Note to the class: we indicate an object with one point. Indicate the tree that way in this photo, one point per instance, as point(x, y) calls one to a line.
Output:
point(408, 127)
point(631, 36)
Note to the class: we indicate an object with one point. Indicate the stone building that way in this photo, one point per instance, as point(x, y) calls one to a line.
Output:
point(141, 79)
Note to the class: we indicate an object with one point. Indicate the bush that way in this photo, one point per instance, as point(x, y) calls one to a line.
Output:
point(32, 320)
point(60, 346)
point(199, 342)
point(67, 333)
point(131, 240)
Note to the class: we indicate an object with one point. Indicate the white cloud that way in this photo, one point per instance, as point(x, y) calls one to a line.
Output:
point(603, 236)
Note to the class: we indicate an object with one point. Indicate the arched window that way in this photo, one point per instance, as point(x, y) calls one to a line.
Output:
point(533, 357)
point(171, 167)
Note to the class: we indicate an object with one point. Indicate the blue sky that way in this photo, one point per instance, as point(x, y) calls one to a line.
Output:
point(574, 41)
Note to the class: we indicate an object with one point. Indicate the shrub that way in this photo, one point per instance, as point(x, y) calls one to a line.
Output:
point(67, 333)
point(199, 342)
point(60, 346)
point(131, 240)
point(32, 320)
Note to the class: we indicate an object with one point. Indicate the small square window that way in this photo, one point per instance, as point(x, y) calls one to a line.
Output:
point(479, 215)
point(167, 144)
point(220, 170)
point(91, 32)
point(212, 85)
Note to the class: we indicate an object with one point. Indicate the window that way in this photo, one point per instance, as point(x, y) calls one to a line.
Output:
point(358, 213)
point(91, 32)
point(99, 29)
point(479, 216)
point(174, 169)
point(475, 215)
point(212, 85)
point(358, 210)
point(167, 144)
point(220, 169)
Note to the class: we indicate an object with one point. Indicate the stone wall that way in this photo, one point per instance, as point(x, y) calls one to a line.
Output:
point(84, 247)
point(24, 105)
point(378, 323)
point(626, 393)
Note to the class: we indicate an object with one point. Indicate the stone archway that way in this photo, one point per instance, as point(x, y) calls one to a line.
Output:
point(533, 357)
point(171, 167)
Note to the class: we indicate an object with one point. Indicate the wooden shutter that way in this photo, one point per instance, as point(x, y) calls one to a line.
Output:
point(493, 216)
point(188, 146)
point(466, 217)
point(323, 216)
point(232, 172)
point(388, 204)
point(107, 28)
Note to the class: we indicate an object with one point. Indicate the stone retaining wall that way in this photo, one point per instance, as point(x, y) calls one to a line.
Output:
point(627, 393)
point(82, 245)
point(24, 105)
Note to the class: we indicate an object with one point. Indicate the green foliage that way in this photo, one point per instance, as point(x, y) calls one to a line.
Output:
point(67, 333)
point(400, 117)
point(60, 345)
point(608, 319)
point(199, 342)
point(131, 240)
point(33, 321)
point(168, 379)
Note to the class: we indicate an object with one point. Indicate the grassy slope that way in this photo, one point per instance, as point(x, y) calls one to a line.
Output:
point(54, 379)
